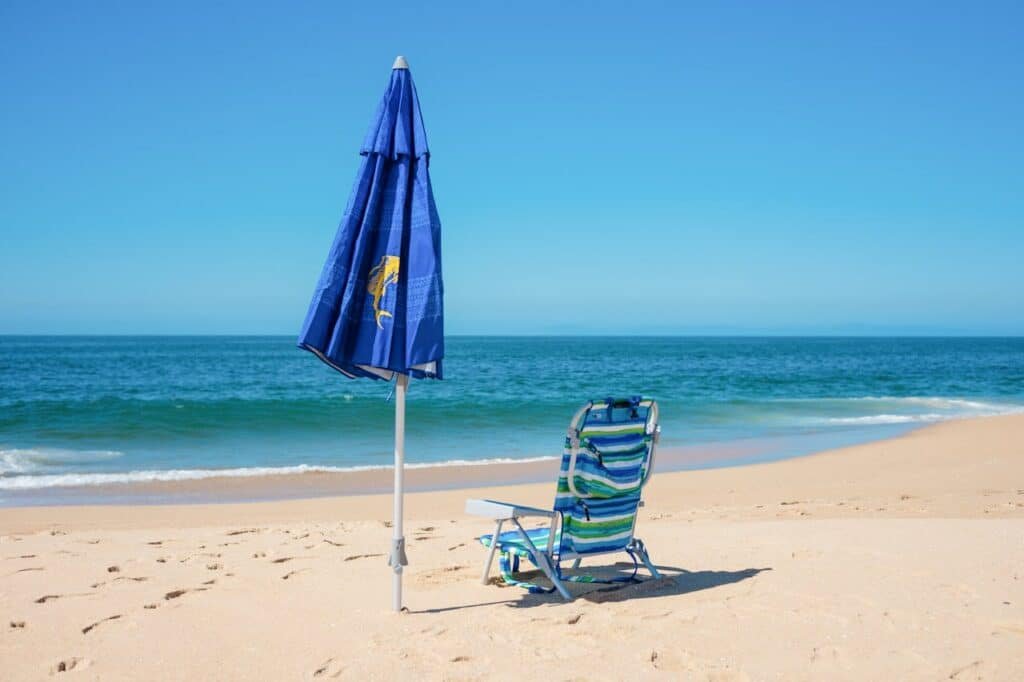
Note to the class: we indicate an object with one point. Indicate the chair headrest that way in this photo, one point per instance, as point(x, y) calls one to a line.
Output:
point(612, 410)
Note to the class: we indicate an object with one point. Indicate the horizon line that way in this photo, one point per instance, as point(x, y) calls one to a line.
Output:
point(739, 335)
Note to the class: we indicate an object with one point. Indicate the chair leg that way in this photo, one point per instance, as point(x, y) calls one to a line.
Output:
point(543, 561)
point(641, 549)
point(490, 554)
point(576, 564)
point(549, 571)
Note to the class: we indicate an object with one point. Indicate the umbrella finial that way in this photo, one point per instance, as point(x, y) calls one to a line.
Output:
point(400, 63)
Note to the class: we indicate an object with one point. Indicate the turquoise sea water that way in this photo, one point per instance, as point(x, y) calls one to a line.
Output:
point(89, 410)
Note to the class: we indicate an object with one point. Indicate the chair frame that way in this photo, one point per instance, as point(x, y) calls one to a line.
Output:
point(548, 560)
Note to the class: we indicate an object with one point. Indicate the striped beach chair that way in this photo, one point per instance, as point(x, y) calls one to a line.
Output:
point(608, 458)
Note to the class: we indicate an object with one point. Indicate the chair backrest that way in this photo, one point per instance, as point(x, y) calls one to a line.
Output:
point(609, 451)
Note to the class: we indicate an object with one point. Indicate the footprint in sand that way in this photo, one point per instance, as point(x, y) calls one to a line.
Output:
point(139, 579)
point(288, 575)
point(89, 628)
point(18, 624)
point(69, 664)
point(434, 630)
point(113, 569)
point(361, 556)
point(174, 594)
point(970, 668)
point(329, 668)
point(244, 531)
point(30, 568)
point(332, 542)
point(189, 557)
point(50, 597)
point(438, 576)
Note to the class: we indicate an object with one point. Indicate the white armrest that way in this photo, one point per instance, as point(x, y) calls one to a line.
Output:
point(503, 510)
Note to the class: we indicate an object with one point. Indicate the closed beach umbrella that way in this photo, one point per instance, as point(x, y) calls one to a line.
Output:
point(377, 311)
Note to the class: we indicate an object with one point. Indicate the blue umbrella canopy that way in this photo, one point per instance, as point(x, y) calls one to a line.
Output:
point(378, 308)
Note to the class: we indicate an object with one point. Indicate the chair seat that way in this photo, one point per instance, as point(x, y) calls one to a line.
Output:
point(512, 541)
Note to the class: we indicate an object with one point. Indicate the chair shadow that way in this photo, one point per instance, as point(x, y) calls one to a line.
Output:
point(673, 581)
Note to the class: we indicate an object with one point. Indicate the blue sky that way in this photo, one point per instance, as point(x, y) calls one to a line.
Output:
point(618, 168)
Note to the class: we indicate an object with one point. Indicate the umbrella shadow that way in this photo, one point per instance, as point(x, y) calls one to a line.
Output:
point(673, 581)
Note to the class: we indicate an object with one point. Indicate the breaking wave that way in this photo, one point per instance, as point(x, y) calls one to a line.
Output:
point(40, 481)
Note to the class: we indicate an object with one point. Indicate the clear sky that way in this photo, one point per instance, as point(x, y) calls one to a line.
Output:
point(618, 168)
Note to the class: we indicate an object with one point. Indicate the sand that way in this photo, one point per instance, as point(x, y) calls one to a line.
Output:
point(900, 559)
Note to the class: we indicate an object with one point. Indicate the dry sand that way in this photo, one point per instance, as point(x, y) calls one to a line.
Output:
point(901, 559)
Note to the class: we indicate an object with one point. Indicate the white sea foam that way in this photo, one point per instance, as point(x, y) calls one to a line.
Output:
point(31, 460)
point(937, 409)
point(887, 419)
point(37, 482)
point(940, 403)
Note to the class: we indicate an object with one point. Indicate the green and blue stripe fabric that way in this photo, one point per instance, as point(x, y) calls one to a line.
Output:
point(611, 464)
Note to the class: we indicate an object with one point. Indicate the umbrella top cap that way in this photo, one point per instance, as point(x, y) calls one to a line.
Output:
point(400, 63)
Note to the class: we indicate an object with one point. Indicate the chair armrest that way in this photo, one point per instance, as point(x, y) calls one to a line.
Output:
point(503, 510)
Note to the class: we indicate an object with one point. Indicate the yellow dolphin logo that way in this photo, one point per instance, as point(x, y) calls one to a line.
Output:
point(381, 275)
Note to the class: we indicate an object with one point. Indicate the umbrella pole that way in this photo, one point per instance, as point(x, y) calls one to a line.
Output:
point(398, 559)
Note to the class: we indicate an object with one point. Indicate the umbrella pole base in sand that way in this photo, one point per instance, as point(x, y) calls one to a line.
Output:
point(396, 558)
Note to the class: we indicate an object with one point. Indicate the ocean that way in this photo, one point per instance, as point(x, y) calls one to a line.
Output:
point(83, 411)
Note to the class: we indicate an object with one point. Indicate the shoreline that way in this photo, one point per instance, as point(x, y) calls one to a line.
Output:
point(533, 481)
point(265, 484)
